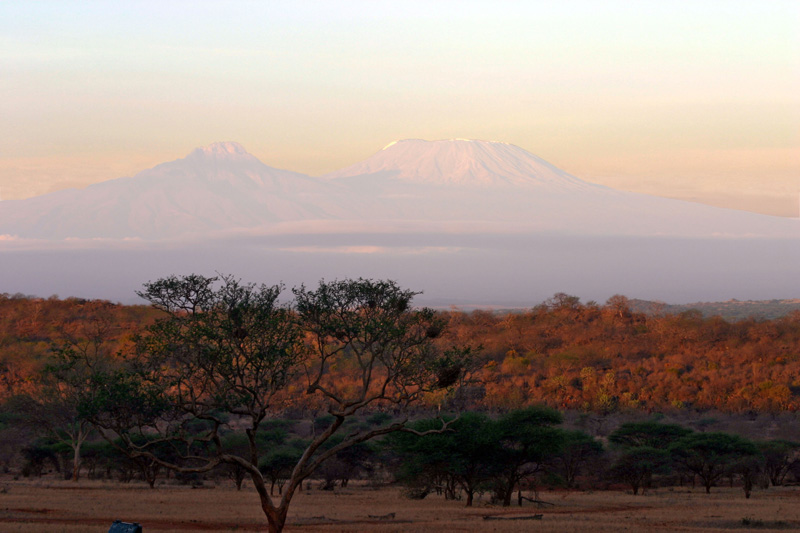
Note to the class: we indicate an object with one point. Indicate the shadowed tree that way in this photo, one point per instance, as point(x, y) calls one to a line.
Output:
point(710, 455)
point(462, 458)
point(748, 467)
point(527, 440)
point(779, 456)
point(636, 466)
point(277, 465)
point(578, 452)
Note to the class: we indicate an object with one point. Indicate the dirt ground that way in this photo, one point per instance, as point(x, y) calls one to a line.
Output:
point(91, 506)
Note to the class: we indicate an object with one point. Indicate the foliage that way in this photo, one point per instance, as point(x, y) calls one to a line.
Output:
point(649, 434)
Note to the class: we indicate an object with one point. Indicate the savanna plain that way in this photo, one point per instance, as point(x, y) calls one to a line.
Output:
point(63, 506)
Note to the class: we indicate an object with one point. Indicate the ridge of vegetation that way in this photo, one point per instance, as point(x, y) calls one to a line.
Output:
point(562, 353)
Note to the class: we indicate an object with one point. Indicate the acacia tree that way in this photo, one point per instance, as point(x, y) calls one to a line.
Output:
point(779, 457)
point(710, 455)
point(636, 466)
point(462, 458)
point(527, 440)
point(578, 452)
point(228, 356)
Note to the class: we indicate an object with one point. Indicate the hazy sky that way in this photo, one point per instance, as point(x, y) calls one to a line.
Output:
point(688, 99)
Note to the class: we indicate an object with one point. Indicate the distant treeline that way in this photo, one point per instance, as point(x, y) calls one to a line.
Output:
point(562, 353)
point(729, 310)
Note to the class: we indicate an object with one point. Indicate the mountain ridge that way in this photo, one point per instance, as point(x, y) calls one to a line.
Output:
point(221, 187)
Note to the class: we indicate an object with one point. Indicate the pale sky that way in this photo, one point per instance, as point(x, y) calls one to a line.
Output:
point(685, 99)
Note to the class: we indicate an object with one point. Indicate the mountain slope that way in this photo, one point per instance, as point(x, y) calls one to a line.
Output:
point(215, 188)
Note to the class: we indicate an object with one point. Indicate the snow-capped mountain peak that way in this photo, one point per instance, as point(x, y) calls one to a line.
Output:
point(221, 150)
point(461, 162)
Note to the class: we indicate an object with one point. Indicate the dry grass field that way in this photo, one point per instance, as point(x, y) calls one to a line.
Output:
point(88, 506)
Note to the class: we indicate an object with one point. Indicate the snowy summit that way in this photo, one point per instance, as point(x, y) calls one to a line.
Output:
point(462, 162)
point(221, 149)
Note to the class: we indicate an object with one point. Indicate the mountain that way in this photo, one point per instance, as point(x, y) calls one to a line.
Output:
point(461, 163)
point(428, 186)
point(215, 188)
point(503, 187)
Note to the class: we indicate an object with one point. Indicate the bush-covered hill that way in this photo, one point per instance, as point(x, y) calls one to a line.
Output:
point(562, 353)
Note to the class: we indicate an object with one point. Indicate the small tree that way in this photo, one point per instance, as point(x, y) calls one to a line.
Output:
point(463, 458)
point(748, 467)
point(779, 456)
point(710, 455)
point(578, 452)
point(52, 411)
point(277, 465)
point(349, 463)
point(230, 352)
point(527, 440)
point(636, 466)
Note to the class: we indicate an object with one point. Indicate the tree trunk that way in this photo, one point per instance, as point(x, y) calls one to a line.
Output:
point(570, 476)
point(469, 498)
point(277, 521)
point(276, 516)
point(450, 490)
point(76, 461)
point(508, 492)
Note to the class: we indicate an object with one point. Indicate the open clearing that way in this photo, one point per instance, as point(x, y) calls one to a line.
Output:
point(90, 506)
